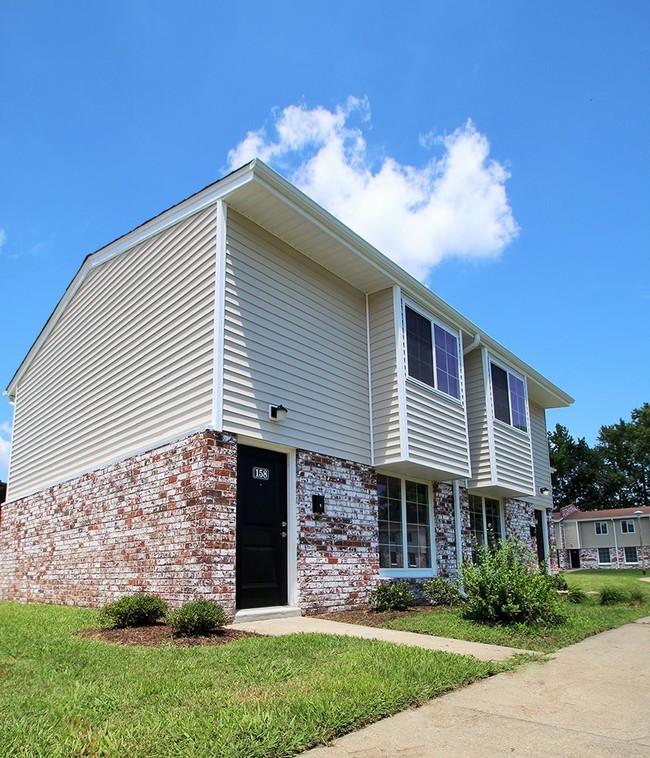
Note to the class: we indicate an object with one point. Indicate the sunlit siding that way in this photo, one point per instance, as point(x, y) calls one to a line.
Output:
point(571, 541)
point(385, 401)
point(477, 420)
point(541, 462)
point(437, 431)
point(294, 334)
point(128, 363)
point(513, 459)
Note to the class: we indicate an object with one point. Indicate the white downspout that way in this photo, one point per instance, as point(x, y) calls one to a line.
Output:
point(473, 344)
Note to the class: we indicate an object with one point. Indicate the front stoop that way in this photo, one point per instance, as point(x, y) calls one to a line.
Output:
point(249, 615)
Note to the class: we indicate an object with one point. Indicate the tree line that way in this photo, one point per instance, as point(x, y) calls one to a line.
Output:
point(614, 473)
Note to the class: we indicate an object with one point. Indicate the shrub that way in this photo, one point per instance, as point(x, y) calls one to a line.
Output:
point(439, 591)
point(612, 595)
point(503, 589)
point(198, 617)
point(393, 596)
point(133, 610)
point(636, 596)
point(559, 582)
point(576, 595)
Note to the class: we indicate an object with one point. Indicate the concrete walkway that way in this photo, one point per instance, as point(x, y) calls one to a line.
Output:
point(590, 699)
point(299, 624)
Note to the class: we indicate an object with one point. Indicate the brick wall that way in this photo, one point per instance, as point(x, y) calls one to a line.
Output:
point(338, 553)
point(445, 528)
point(160, 522)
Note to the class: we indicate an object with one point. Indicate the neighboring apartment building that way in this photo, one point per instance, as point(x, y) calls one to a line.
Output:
point(243, 400)
point(612, 538)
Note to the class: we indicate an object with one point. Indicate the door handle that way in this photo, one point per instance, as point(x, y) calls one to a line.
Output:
point(284, 523)
point(283, 534)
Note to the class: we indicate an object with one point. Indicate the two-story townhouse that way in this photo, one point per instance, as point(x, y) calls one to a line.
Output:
point(609, 538)
point(243, 400)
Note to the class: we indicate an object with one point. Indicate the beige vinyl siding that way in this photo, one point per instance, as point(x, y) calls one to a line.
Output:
point(477, 420)
point(385, 399)
point(513, 459)
point(437, 432)
point(127, 365)
point(589, 538)
point(294, 334)
point(571, 541)
point(541, 461)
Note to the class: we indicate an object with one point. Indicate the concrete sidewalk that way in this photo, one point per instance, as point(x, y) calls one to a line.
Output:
point(299, 624)
point(590, 699)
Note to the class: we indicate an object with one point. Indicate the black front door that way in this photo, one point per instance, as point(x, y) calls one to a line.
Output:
point(261, 528)
point(575, 559)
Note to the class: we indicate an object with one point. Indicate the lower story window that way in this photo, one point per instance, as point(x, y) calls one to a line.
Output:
point(485, 520)
point(604, 555)
point(404, 523)
point(631, 555)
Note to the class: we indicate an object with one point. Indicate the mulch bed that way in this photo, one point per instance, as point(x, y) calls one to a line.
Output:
point(373, 618)
point(161, 635)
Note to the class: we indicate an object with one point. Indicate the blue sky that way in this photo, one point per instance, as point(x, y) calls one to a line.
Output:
point(525, 127)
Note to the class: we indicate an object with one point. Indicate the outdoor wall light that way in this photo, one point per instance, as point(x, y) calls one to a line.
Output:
point(544, 491)
point(277, 412)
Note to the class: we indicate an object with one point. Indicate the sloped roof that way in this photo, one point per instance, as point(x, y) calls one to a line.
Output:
point(643, 510)
point(261, 194)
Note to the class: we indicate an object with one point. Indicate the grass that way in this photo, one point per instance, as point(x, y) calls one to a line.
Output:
point(63, 695)
point(582, 620)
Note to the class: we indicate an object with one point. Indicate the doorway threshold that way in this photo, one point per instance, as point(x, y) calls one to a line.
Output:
point(247, 615)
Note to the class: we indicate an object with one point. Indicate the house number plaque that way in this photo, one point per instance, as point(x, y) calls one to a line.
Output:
point(261, 473)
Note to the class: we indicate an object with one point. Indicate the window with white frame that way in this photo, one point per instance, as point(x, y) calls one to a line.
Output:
point(601, 528)
point(627, 526)
point(432, 353)
point(508, 397)
point(484, 520)
point(604, 555)
point(631, 555)
point(404, 523)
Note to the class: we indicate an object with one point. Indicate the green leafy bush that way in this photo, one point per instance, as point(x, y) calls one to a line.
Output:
point(636, 596)
point(391, 596)
point(439, 591)
point(559, 582)
point(612, 596)
point(503, 589)
point(576, 595)
point(198, 617)
point(133, 610)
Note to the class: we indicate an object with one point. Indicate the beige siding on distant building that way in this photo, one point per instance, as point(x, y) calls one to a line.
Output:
point(127, 365)
point(385, 400)
point(571, 539)
point(477, 420)
point(294, 334)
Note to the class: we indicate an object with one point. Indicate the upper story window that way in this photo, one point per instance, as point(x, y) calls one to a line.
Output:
point(509, 397)
point(627, 526)
point(432, 353)
point(601, 527)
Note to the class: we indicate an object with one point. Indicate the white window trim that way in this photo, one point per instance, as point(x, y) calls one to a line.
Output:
point(413, 572)
point(603, 525)
point(625, 560)
point(450, 330)
point(501, 515)
point(604, 563)
point(631, 523)
point(492, 359)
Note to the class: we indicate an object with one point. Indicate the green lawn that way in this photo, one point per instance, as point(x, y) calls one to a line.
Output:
point(61, 695)
point(583, 620)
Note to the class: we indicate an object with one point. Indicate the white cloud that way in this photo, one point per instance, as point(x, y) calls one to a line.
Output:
point(5, 443)
point(452, 205)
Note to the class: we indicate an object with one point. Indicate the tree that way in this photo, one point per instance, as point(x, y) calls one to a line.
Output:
point(624, 448)
point(578, 470)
